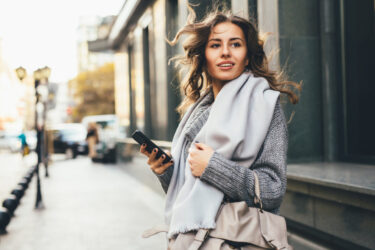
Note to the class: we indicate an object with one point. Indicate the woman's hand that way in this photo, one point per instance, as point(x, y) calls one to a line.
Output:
point(199, 157)
point(156, 164)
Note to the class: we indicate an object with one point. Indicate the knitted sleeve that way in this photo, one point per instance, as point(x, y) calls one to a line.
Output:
point(237, 182)
point(165, 178)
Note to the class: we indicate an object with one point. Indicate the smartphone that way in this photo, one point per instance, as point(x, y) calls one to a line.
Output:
point(141, 138)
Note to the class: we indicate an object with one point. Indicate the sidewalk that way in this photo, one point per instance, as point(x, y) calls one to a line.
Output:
point(87, 206)
point(12, 168)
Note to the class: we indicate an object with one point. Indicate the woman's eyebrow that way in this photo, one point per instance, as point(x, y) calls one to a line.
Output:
point(235, 38)
point(219, 40)
point(215, 39)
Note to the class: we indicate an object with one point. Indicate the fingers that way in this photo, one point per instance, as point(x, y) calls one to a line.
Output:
point(190, 160)
point(152, 156)
point(143, 150)
point(152, 159)
point(160, 160)
point(200, 146)
point(161, 169)
point(192, 166)
point(156, 164)
point(193, 171)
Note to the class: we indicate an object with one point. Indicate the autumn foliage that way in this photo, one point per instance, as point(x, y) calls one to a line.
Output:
point(93, 92)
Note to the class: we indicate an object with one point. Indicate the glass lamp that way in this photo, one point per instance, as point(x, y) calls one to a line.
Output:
point(38, 74)
point(21, 73)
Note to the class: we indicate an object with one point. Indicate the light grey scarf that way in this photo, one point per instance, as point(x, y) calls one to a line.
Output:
point(236, 128)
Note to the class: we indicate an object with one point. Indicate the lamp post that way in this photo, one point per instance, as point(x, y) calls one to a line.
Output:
point(39, 126)
point(41, 93)
point(45, 73)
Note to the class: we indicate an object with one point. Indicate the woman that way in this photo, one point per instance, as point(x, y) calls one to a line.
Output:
point(232, 125)
point(92, 139)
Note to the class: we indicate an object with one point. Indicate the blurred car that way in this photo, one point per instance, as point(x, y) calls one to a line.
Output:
point(69, 139)
point(9, 141)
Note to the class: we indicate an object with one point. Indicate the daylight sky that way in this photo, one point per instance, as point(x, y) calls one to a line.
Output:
point(36, 33)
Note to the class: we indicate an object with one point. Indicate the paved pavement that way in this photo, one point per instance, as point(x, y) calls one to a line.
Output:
point(12, 168)
point(88, 206)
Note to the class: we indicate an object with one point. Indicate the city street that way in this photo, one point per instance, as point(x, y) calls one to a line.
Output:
point(87, 206)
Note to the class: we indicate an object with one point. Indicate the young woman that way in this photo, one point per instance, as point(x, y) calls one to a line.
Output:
point(92, 139)
point(232, 125)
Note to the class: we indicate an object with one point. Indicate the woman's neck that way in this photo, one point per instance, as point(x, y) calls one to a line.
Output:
point(216, 87)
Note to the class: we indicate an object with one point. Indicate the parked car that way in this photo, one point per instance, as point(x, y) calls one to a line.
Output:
point(69, 139)
point(109, 132)
point(9, 141)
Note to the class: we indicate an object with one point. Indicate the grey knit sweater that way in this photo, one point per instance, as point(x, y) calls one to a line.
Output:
point(235, 181)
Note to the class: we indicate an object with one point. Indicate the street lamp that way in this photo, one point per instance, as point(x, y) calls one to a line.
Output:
point(43, 90)
point(21, 73)
point(46, 71)
point(39, 126)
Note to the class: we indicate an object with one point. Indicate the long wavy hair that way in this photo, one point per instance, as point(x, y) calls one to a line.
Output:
point(197, 79)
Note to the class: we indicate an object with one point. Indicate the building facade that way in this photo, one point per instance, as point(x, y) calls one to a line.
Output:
point(327, 45)
point(92, 28)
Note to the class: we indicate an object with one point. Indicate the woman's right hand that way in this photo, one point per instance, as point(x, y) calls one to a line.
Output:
point(156, 165)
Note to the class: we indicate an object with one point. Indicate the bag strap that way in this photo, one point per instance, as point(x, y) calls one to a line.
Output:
point(199, 238)
point(257, 200)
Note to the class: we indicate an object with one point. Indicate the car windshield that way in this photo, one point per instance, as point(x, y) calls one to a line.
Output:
point(71, 134)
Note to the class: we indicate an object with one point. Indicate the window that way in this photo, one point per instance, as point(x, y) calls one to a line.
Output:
point(358, 53)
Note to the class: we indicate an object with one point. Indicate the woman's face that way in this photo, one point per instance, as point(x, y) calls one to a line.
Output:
point(226, 52)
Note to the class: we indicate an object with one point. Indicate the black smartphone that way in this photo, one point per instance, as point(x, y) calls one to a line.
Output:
point(141, 138)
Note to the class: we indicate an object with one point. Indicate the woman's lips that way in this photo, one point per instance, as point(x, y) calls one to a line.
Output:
point(226, 65)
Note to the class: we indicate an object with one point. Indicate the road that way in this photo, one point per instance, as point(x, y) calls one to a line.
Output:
point(87, 206)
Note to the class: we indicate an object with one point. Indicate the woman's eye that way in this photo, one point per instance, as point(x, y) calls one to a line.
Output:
point(236, 45)
point(215, 45)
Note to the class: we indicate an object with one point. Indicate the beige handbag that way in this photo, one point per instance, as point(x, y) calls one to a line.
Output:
point(237, 227)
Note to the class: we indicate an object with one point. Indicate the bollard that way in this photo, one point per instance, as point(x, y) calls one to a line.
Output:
point(28, 177)
point(11, 204)
point(26, 180)
point(4, 220)
point(31, 171)
point(18, 192)
point(24, 183)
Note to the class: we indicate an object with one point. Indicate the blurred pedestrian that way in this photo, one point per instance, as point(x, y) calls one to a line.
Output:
point(92, 139)
point(232, 128)
point(25, 150)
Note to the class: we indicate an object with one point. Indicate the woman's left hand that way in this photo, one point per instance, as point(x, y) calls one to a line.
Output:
point(199, 157)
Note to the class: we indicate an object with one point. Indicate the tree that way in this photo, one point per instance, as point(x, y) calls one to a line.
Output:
point(93, 92)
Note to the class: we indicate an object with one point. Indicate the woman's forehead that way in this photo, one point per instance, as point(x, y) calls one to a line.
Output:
point(226, 29)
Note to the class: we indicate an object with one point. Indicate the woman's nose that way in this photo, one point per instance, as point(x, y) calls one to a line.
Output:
point(225, 52)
